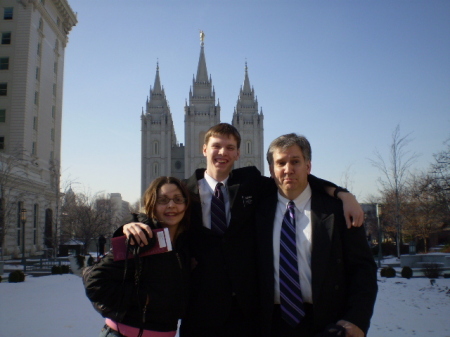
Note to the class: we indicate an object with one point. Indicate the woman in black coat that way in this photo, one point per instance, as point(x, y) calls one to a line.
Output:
point(146, 296)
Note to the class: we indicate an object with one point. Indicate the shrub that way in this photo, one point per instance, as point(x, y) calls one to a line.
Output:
point(90, 260)
point(387, 272)
point(80, 261)
point(1, 279)
point(407, 272)
point(65, 269)
point(16, 276)
point(431, 270)
point(56, 270)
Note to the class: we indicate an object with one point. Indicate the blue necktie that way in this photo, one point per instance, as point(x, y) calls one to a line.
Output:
point(292, 310)
point(218, 216)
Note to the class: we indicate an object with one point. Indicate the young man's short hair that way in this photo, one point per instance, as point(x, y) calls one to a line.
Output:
point(223, 129)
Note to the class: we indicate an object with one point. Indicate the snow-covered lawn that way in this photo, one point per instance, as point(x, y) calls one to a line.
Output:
point(55, 306)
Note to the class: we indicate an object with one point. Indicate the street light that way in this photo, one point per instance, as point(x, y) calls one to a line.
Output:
point(379, 208)
point(23, 219)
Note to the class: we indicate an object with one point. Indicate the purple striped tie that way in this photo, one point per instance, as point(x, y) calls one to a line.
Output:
point(218, 216)
point(292, 310)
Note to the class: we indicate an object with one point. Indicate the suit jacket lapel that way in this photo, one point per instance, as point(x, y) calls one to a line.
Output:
point(196, 206)
point(266, 218)
point(233, 188)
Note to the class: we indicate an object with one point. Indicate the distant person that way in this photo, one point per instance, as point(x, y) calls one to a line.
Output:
point(146, 296)
point(101, 245)
point(317, 278)
point(224, 293)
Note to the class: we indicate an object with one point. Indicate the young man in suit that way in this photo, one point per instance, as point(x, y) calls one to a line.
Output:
point(224, 293)
point(315, 275)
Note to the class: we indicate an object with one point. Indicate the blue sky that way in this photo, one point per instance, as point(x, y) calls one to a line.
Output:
point(342, 73)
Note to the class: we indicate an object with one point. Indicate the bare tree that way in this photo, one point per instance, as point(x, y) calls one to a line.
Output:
point(135, 207)
point(422, 212)
point(86, 217)
point(12, 176)
point(440, 170)
point(346, 178)
point(394, 175)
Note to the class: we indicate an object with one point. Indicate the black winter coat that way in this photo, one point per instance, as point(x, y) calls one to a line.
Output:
point(155, 299)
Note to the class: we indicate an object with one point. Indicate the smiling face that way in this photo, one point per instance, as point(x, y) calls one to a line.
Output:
point(290, 171)
point(172, 213)
point(221, 152)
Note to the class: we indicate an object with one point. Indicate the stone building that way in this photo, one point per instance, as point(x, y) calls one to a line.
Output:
point(163, 154)
point(34, 35)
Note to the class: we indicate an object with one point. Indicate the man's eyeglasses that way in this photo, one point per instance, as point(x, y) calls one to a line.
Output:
point(165, 200)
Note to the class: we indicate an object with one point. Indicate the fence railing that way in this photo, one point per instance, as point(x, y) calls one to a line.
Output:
point(46, 263)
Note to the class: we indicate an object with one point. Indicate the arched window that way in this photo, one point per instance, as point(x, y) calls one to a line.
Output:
point(35, 222)
point(155, 147)
point(19, 223)
point(155, 169)
point(48, 240)
point(248, 147)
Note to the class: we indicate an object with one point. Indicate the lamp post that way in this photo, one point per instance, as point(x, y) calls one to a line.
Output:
point(379, 208)
point(23, 219)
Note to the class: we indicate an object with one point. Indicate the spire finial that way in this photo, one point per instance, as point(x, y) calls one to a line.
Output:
point(202, 37)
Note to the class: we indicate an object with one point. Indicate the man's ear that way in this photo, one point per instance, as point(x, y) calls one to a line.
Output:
point(308, 167)
point(238, 154)
point(204, 150)
point(271, 171)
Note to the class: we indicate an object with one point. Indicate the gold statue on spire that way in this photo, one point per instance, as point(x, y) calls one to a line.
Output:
point(202, 36)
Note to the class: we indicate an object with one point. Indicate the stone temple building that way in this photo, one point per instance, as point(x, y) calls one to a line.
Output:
point(164, 154)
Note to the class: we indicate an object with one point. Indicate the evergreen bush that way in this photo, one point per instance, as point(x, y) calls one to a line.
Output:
point(90, 260)
point(80, 261)
point(387, 272)
point(407, 272)
point(16, 276)
point(56, 270)
point(1, 279)
point(65, 269)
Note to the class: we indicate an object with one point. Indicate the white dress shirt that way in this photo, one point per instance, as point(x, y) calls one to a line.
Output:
point(303, 232)
point(206, 187)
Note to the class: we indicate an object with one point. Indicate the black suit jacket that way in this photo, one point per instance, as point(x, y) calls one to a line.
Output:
point(226, 269)
point(344, 284)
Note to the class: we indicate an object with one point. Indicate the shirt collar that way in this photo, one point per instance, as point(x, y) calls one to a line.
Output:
point(301, 201)
point(213, 182)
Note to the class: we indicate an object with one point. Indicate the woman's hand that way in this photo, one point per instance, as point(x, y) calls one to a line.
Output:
point(138, 230)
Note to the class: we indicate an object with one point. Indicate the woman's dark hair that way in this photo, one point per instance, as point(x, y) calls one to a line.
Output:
point(151, 194)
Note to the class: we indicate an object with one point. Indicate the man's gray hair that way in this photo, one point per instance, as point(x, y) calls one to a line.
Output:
point(285, 141)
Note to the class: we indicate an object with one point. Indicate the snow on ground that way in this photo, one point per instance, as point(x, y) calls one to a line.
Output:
point(56, 305)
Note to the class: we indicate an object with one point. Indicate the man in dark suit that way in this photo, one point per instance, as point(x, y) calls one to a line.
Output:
point(224, 292)
point(316, 276)
point(223, 299)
